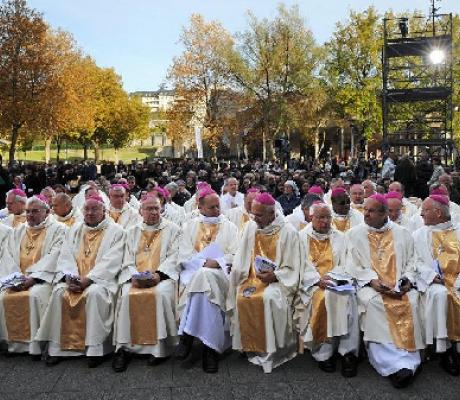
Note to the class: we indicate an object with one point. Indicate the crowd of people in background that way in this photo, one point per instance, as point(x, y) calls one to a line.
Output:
point(185, 173)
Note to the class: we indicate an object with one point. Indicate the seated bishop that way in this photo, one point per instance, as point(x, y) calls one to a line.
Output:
point(380, 256)
point(79, 317)
point(300, 220)
point(15, 205)
point(145, 318)
point(240, 215)
point(26, 280)
point(206, 252)
point(64, 211)
point(437, 246)
point(396, 214)
point(263, 283)
point(343, 216)
point(329, 317)
point(120, 211)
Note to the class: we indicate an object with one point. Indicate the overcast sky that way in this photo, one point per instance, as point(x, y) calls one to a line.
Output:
point(139, 37)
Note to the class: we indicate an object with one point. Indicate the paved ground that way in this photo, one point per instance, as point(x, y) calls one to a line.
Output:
point(21, 378)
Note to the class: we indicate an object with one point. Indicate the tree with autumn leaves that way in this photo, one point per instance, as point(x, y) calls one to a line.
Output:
point(49, 90)
point(282, 80)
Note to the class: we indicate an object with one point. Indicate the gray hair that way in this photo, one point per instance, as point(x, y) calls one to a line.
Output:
point(35, 199)
point(308, 200)
point(318, 206)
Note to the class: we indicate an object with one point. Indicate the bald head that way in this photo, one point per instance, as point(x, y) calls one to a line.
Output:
point(434, 213)
point(396, 187)
point(321, 217)
point(394, 209)
point(357, 194)
point(62, 204)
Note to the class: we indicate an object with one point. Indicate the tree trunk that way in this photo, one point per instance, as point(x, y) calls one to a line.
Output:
point(58, 149)
point(116, 155)
point(97, 152)
point(14, 141)
point(264, 147)
point(85, 152)
point(47, 150)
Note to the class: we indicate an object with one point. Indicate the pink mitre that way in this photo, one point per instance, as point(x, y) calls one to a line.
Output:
point(440, 191)
point(265, 198)
point(95, 197)
point(393, 195)
point(380, 198)
point(338, 192)
point(439, 198)
point(42, 199)
point(205, 192)
point(117, 186)
point(316, 190)
point(202, 185)
point(18, 192)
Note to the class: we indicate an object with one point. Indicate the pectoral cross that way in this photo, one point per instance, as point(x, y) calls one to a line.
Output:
point(440, 249)
point(380, 253)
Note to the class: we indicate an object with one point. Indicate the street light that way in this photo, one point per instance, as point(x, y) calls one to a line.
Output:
point(437, 56)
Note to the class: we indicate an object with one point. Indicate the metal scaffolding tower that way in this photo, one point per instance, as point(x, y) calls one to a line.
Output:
point(417, 84)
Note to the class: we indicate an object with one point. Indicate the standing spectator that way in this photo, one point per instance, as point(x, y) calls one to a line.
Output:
point(438, 170)
point(406, 174)
point(424, 171)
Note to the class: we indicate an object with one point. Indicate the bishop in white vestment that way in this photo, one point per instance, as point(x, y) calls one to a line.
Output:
point(79, 317)
point(380, 256)
point(206, 252)
point(329, 316)
point(33, 251)
point(261, 296)
point(145, 320)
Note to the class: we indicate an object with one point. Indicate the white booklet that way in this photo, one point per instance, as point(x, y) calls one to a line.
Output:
point(348, 287)
point(263, 264)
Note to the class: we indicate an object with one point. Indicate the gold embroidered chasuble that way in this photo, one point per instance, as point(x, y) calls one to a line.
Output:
point(206, 234)
point(398, 309)
point(16, 304)
point(341, 224)
point(142, 301)
point(320, 254)
point(18, 220)
point(251, 308)
point(446, 249)
point(73, 315)
point(115, 215)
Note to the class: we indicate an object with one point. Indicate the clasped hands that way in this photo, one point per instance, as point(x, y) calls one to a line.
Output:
point(385, 288)
point(77, 285)
point(27, 283)
point(146, 283)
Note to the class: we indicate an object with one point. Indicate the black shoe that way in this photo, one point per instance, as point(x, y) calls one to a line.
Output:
point(94, 362)
point(36, 357)
point(184, 347)
point(51, 361)
point(328, 365)
point(120, 361)
point(153, 361)
point(210, 360)
point(449, 362)
point(349, 365)
point(402, 378)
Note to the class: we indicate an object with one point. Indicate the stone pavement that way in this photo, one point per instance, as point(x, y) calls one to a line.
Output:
point(24, 379)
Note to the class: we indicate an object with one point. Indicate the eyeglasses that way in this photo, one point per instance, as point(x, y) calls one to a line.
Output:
point(34, 211)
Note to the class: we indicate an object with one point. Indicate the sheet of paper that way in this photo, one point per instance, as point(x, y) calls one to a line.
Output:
point(263, 264)
point(212, 252)
point(342, 288)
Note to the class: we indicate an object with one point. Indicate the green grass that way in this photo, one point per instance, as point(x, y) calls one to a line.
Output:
point(108, 154)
